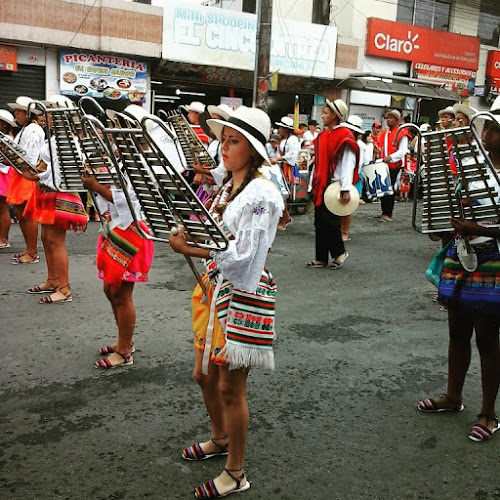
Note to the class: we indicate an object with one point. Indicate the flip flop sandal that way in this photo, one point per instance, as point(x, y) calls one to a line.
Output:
point(194, 452)
point(430, 406)
point(480, 432)
point(17, 260)
point(5, 245)
point(50, 300)
point(108, 349)
point(337, 264)
point(39, 289)
point(208, 489)
point(106, 364)
point(315, 264)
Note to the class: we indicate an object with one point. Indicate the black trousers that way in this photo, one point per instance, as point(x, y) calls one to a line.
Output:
point(328, 234)
point(387, 202)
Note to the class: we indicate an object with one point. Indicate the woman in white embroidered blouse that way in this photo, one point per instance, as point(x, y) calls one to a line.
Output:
point(239, 332)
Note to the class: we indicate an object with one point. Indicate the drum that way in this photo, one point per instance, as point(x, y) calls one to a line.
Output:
point(377, 180)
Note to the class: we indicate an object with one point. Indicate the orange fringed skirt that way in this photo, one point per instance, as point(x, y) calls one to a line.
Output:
point(20, 189)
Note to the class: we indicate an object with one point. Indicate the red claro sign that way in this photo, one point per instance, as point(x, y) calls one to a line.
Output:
point(493, 64)
point(415, 43)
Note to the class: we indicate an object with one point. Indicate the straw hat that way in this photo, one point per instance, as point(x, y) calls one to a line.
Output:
point(222, 110)
point(333, 203)
point(465, 110)
point(7, 117)
point(395, 113)
point(339, 107)
point(285, 122)
point(22, 103)
point(195, 106)
point(253, 123)
point(355, 123)
point(446, 111)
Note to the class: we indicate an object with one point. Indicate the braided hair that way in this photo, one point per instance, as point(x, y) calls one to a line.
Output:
point(253, 172)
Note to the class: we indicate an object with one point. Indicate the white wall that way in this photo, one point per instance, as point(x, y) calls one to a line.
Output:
point(300, 10)
point(350, 15)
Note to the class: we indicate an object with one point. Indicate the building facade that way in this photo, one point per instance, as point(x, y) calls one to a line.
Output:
point(165, 53)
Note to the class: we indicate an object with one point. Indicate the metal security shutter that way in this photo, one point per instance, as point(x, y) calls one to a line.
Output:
point(27, 80)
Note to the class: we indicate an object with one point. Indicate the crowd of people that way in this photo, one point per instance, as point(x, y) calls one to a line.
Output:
point(246, 194)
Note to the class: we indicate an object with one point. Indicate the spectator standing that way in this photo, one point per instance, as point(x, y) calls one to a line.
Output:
point(393, 154)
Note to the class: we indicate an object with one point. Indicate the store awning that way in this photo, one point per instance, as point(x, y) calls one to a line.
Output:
point(390, 84)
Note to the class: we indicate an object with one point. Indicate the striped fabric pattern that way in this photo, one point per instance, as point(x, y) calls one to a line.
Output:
point(478, 290)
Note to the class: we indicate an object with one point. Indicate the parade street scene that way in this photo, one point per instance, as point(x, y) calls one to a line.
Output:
point(249, 247)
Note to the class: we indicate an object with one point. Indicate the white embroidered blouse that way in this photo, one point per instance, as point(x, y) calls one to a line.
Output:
point(252, 217)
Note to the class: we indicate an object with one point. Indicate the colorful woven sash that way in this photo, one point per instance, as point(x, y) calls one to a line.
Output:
point(117, 250)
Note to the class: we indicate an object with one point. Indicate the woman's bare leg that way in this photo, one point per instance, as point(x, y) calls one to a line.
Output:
point(488, 345)
point(214, 404)
point(4, 220)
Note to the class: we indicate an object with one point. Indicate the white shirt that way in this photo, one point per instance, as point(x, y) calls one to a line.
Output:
point(290, 148)
point(252, 217)
point(47, 178)
point(31, 138)
point(309, 136)
point(401, 151)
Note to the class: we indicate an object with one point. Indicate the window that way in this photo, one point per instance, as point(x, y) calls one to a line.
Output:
point(428, 13)
point(321, 12)
point(489, 22)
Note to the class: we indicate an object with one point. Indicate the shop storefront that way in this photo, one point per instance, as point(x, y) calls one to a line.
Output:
point(114, 81)
point(447, 59)
point(211, 51)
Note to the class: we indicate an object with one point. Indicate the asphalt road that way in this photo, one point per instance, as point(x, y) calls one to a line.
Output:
point(337, 419)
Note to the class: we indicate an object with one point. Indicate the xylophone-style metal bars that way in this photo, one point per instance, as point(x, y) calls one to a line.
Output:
point(192, 148)
point(14, 155)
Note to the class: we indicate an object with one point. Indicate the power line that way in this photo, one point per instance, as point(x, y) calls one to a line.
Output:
point(81, 24)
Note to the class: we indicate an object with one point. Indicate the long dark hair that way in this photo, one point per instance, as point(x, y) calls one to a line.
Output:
point(253, 172)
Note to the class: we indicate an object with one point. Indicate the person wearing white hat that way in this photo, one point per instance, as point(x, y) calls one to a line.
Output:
point(6, 124)
point(446, 117)
point(30, 138)
point(124, 255)
point(474, 306)
point(462, 118)
point(57, 212)
point(288, 153)
point(336, 158)
point(193, 114)
point(237, 334)
point(394, 155)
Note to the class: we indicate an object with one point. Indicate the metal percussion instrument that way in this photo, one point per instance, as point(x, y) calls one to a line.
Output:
point(191, 148)
point(467, 197)
point(166, 199)
point(14, 155)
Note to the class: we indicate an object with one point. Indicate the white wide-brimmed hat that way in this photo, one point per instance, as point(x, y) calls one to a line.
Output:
point(7, 117)
point(253, 123)
point(355, 123)
point(339, 107)
point(60, 101)
point(22, 103)
point(465, 110)
point(332, 201)
point(285, 122)
point(425, 127)
point(394, 112)
point(446, 111)
point(135, 112)
point(195, 106)
point(494, 112)
point(222, 110)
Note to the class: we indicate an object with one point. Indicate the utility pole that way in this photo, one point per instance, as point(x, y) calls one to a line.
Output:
point(262, 53)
